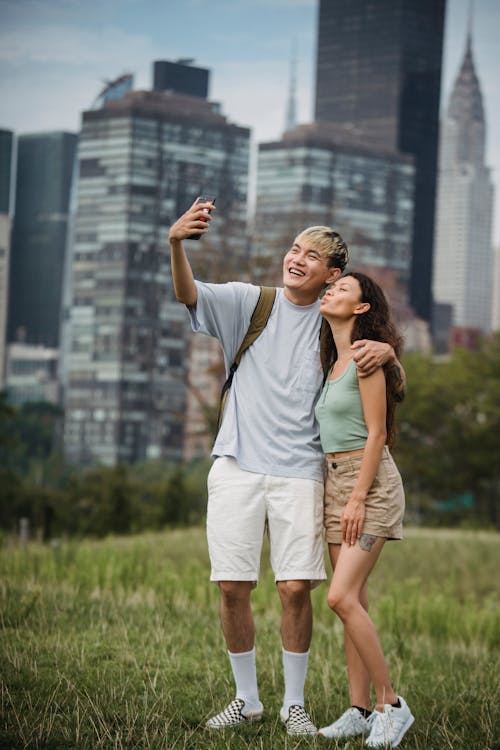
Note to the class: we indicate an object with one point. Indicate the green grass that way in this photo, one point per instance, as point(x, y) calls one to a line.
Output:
point(116, 644)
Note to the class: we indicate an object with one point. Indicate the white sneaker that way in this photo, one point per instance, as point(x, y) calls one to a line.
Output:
point(390, 726)
point(297, 721)
point(233, 715)
point(352, 723)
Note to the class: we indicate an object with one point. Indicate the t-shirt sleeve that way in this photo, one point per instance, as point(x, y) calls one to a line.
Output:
point(224, 311)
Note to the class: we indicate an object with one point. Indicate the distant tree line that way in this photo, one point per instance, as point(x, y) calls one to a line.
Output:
point(59, 499)
point(448, 450)
point(449, 436)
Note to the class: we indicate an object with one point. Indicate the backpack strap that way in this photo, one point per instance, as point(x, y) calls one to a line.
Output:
point(258, 322)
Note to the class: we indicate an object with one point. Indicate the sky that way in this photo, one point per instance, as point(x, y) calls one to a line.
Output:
point(56, 54)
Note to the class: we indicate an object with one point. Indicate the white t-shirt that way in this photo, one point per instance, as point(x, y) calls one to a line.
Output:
point(269, 425)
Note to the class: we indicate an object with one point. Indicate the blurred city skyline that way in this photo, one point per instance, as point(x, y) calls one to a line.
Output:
point(54, 57)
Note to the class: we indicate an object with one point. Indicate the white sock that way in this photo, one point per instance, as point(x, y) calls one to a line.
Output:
point(245, 677)
point(295, 670)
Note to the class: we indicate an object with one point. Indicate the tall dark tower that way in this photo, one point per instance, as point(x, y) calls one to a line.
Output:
point(378, 74)
point(6, 164)
point(45, 163)
point(6, 149)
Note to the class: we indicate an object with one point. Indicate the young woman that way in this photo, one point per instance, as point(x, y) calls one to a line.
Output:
point(364, 499)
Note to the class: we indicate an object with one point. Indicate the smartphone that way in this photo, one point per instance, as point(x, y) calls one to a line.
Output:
point(201, 199)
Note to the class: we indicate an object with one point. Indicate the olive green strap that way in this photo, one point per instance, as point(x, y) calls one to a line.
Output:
point(258, 322)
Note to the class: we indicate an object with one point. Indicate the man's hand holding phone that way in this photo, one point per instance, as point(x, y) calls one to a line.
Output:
point(195, 221)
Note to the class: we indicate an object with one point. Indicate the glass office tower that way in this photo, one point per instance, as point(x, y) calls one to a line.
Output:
point(6, 154)
point(143, 161)
point(6, 162)
point(316, 175)
point(378, 75)
point(45, 163)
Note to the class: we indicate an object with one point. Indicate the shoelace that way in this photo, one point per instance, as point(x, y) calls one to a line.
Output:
point(378, 725)
point(371, 719)
point(351, 719)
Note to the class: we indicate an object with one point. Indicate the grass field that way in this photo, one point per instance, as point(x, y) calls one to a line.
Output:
point(116, 644)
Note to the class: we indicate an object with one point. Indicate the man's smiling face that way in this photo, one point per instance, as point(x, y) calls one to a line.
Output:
point(306, 270)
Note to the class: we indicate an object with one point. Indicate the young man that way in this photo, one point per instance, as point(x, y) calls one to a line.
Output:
point(269, 464)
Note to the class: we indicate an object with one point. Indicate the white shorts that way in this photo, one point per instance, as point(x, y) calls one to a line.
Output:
point(239, 505)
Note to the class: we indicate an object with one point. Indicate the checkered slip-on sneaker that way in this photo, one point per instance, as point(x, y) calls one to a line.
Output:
point(297, 721)
point(232, 716)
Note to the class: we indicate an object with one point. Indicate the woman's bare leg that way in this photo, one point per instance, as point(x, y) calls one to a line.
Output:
point(353, 566)
point(359, 677)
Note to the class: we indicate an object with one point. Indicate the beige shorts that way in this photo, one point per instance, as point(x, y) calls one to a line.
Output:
point(243, 504)
point(385, 504)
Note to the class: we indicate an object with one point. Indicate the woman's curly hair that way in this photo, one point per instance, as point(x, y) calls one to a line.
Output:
point(375, 324)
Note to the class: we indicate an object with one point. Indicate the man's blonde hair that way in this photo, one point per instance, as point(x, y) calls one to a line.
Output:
point(330, 244)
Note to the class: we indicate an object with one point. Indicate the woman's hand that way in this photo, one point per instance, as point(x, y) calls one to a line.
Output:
point(352, 520)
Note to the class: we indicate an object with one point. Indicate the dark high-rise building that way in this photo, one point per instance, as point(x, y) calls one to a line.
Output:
point(6, 152)
point(44, 170)
point(180, 77)
point(6, 149)
point(379, 75)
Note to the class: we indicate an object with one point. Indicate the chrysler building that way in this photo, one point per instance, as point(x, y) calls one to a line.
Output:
point(463, 254)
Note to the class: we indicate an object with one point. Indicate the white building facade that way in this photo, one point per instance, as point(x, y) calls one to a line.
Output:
point(31, 374)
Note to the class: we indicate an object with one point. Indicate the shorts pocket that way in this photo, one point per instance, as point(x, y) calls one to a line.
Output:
point(377, 502)
point(214, 473)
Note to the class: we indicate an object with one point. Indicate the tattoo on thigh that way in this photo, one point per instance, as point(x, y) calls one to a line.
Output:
point(366, 541)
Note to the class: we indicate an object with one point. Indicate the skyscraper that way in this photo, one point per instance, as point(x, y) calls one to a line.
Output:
point(463, 258)
point(143, 160)
point(6, 161)
point(45, 163)
point(378, 75)
point(495, 314)
point(316, 174)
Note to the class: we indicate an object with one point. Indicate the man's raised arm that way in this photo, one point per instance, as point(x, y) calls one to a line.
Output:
point(194, 221)
point(372, 354)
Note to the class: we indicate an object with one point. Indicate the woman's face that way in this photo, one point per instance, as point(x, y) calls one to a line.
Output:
point(343, 299)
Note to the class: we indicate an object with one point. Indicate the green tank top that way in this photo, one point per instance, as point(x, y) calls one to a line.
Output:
point(339, 412)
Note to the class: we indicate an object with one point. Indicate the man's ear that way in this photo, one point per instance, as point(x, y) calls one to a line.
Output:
point(361, 308)
point(333, 274)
